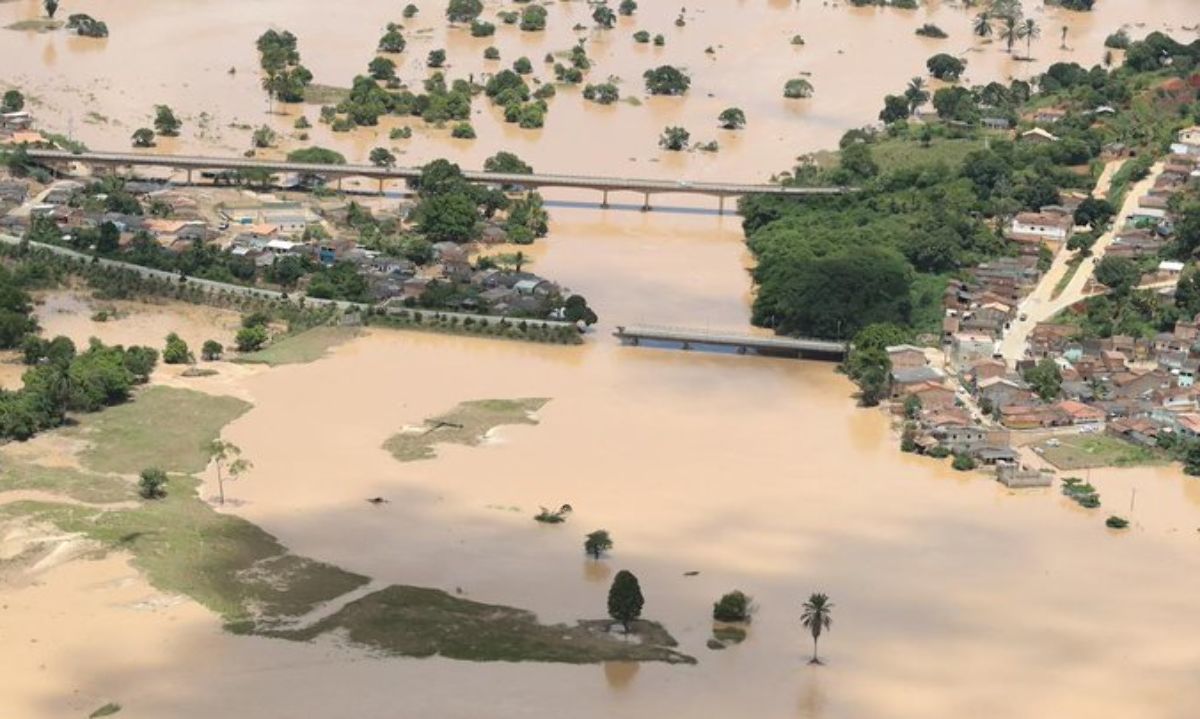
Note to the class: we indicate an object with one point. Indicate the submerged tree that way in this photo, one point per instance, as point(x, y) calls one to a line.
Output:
point(674, 138)
point(598, 542)
point(165, 122)
point(732, 118)
point(1030, 31)
point(982, 25)
point(51, 7)
point(382, 157)
point(143, 137)
point(817, 617)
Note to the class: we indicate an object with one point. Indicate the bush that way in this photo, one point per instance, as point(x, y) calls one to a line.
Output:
point(931, 30)
point(735, 606)
point(152, 484)
point(211, 350)
point(250, 339)
point(1115, 522)
point(176, 351)
point(963, 463)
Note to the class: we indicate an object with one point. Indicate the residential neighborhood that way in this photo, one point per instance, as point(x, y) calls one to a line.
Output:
point(318, 244)
point(983, 396)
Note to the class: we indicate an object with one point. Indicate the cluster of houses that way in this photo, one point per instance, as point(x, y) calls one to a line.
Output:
point(16, 128)
point(264, 230)
point(1133, 388)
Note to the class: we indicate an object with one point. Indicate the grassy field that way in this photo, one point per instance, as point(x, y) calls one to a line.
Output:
point(162, 427)
point(308, 346)
point(39, 25)
point(254, 583)
point(466, 424)
point(223, 562)
point(82, 486)
point(1099, 450)
point(318, 94)
point(892, 154)
point(417, 622)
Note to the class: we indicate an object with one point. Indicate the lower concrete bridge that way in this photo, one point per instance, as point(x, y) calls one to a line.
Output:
point(685, 338)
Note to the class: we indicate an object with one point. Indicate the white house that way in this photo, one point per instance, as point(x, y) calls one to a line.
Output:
point(1170, 268)
point(1187, 142)
point(1042, 225)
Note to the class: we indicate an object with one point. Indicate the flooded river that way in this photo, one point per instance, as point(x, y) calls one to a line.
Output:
point(953, 596)
point(180, 53)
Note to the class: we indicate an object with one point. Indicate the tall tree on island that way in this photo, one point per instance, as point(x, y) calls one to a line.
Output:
point(51, 7)
point(625, 598)
point(816, 617)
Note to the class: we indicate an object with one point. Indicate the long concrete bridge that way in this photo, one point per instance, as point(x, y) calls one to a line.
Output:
point(687, 338)
point(605, 185)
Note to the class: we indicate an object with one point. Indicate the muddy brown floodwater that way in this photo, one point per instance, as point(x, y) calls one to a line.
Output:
point(180, 53)
point(953, 596)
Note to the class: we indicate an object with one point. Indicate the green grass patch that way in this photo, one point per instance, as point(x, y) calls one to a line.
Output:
point(38, 25)
point(65, 481)
point(417, 622)
point(466, 424)
point(901, 152)
point(1072, 268)
point(308, 346)
point(223, 562)
point(317, 94)
point(105, 711)
point(1099, 450)
point(161, 427)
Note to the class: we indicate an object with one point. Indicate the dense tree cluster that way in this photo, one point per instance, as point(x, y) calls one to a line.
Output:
point(285, 78)
point(62, 380)
point(666, 80)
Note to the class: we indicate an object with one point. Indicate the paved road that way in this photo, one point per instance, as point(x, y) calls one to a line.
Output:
point(185, 162)
point(1040, 306)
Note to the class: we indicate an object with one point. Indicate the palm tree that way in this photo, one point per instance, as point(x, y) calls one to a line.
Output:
point(816, 618)
point(983, 25)
point(1030, 31)
point(916, 94)
point(271, 83)
point(1010, 33)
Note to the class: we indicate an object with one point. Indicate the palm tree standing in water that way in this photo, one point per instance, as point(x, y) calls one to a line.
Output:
point(816, 617)
point(1030, 31)
point(1010, 33)
point(983, 25)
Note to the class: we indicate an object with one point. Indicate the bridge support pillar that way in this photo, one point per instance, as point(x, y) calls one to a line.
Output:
point(604, 200)
point(720, 204)
point(646, 202)
point(339, 183)
point(741, 350)
point(189, 177)
point(381, 187)
point(687, 345)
